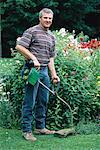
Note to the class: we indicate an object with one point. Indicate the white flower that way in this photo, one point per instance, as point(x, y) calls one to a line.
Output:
point(11, 49)
point(1, 100)
point(72, 40)
point(6, 100)
point(87, 58)
point(4, 93)
point(73, 31)
point(75, 42)
point(85, 49)
point(17, 61)
point(62, 31)
point(1, 80)
point(8, 93)
point(71, 37)
point(1, 88)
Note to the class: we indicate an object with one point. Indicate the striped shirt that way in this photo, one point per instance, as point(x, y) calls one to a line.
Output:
point(40, 42)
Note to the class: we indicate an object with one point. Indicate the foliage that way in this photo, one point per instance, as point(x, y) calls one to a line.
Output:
point(5, 64)
point(77, 71)
point(6, 108)
point(11, 83)
point(82, 38)
point(74, 12)
point(89, 128)
point(95, 63)
point(17, 16)
point(78, 84)
point(6, 114)
point(78, 88)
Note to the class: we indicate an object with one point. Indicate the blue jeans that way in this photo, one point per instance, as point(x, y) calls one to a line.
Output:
point(36, 97)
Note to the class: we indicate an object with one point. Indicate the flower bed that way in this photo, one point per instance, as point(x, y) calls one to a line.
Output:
point(78, 69)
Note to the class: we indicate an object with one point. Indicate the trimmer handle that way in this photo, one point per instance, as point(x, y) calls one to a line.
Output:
point(56, 89)
point(29, 64)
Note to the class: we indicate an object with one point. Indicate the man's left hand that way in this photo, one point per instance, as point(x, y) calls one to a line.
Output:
point(55, 79)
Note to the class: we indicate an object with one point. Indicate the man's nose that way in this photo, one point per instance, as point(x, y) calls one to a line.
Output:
point(48, 19)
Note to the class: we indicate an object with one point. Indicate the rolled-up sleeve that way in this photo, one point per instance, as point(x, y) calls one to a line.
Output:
point(25, 40)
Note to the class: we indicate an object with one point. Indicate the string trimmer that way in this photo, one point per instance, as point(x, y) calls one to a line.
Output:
point(33, 77)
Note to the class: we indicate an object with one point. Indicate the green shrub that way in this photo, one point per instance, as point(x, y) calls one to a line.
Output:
point(78, 87)
point(6, 108)
point(11, 79)
point(6, 114)
point(88, 128)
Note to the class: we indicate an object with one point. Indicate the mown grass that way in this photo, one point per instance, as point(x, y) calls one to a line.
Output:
point(11, 139)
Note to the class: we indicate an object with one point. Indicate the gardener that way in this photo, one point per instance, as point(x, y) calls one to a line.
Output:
point(38, 44)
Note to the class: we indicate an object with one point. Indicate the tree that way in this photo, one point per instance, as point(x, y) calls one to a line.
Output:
point(18, 15)
point(72, 14)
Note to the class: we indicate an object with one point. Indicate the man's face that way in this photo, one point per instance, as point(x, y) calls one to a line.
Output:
point(46, 20)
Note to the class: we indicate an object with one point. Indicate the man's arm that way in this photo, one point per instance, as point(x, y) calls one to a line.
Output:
point(51, 67)
point(27, 54)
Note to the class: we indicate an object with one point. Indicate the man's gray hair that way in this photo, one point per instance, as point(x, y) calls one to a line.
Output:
point(45, 10)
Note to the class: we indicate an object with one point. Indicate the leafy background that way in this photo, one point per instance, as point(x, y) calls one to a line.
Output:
point(79, 88)
point(19, 15)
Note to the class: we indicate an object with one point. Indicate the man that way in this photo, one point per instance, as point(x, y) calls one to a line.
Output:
point(38, 44)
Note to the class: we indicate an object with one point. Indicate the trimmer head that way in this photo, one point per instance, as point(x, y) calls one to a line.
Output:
point(64, 132)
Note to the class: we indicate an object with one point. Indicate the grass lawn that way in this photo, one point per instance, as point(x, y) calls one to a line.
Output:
point(11, 139)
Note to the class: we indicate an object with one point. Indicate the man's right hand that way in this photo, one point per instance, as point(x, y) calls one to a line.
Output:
point(36, 64)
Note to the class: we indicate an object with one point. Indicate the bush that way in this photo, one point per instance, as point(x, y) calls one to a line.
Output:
point(6, 114)
point(87, 128)
point(6, 108)
point(78, 88)
point(78, 73)
point(12, 84)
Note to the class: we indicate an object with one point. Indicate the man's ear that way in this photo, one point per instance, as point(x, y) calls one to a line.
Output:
point(39, 18)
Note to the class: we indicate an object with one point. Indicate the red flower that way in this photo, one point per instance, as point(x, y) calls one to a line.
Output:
point(81, 39)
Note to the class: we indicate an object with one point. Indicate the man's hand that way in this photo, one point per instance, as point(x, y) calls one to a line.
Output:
point(36, 64)
point(51, 66)
point(55, 79)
